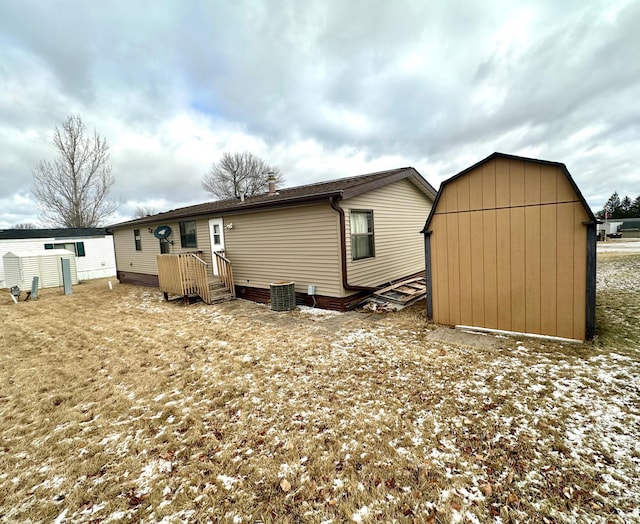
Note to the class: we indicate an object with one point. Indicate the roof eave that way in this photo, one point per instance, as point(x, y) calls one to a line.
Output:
point(407, 172)
point(236, 209)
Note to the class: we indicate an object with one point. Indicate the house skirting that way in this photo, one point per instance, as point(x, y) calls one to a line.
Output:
point(140, 279)
point(263, 296)
point(258, 294)
point(302, 299)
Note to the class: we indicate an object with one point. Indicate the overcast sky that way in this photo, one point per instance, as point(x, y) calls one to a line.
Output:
point(320, 88)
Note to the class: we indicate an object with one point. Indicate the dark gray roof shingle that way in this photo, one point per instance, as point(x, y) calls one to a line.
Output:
point(344, 187)
point(14, 234)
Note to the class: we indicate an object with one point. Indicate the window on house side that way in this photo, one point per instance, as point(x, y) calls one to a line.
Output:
point(188, 234)
point(164, 247)
point(137, 239)
point(76, 247)
point(362, 244)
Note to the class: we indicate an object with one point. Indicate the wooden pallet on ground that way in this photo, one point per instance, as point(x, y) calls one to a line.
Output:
point(399, 295)
point(405, 291)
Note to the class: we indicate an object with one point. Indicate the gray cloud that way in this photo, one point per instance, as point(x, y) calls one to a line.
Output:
point(322, 88)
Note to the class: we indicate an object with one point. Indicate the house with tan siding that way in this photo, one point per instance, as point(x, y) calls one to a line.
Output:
point(346, 237)
point(510, 245)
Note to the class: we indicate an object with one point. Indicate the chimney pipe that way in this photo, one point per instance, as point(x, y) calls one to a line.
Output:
point(272, 183)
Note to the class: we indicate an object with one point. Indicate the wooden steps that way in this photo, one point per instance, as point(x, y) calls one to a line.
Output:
point(218, 293)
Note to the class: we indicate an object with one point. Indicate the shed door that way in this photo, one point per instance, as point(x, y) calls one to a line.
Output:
point(216, 232)
point(50, 271)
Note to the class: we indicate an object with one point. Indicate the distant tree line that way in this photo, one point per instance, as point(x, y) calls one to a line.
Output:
point(617, 207)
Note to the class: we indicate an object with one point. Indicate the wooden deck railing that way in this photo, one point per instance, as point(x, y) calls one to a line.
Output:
point(225, 272)
point(183, 274)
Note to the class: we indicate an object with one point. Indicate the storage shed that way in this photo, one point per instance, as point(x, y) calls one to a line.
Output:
point(93, 247)
point(510, 244)
point(21, 266)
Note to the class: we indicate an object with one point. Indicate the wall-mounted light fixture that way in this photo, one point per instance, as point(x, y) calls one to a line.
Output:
point(229, 225)
point(150, 230)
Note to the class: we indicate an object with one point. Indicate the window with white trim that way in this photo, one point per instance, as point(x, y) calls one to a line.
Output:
point(362, 241)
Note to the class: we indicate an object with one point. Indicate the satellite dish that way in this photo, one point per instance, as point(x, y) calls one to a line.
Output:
point(162, 232)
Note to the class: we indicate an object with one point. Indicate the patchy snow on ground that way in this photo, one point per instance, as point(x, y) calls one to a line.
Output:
point(622, 246)
point(235, 413)
point(314, 311)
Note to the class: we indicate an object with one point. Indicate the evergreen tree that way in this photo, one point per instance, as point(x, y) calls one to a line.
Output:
point(635, 208)
point(620, 208)
point(612, 207)
point(625, 207)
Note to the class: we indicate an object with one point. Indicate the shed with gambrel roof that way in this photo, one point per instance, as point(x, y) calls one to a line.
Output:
point(510, 244)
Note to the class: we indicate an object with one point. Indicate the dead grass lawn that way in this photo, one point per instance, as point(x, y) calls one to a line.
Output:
point(118, 407)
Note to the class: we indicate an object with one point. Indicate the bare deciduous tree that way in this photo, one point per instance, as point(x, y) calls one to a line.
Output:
point(72, 190)
point(237, 174)
point(26, 225)
point(144, 210)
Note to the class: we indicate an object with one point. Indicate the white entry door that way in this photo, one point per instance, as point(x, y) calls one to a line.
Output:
point(216, 231)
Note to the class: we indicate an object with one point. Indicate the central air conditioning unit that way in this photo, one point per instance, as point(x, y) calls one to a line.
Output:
point(283, 296)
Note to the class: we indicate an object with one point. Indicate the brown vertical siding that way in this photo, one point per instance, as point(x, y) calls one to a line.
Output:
point(477, 264)
point(488, 186)
point(533, 260)
point(464, 248)
point(508, 250)
point(503, 247)
point(399, 210)
point(518, 266)
point(548, 267)
point(453, 261)
point(564, 291)
point(503, 183)
point(490, 268)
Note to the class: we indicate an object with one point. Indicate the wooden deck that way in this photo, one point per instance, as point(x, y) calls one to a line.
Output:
point(188, 276)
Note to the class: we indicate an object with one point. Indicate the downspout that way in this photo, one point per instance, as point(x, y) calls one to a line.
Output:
point(343, 249)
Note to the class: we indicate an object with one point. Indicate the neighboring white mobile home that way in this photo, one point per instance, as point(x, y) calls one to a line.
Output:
point(92, 247)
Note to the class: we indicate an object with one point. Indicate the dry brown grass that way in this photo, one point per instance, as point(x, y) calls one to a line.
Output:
point(116, 406)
